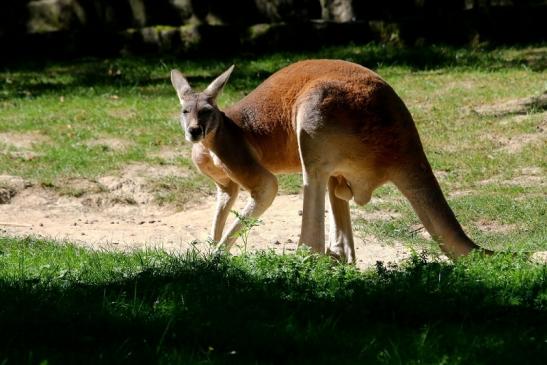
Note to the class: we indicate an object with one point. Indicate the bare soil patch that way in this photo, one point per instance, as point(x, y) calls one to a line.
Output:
point(529, 176)
point(516, 143)
point(532, 176)
point(170, 154)
point(378, 215)
point(22, 141)
point(40, 212)
point(539, 257)
point(110, 144)
point(459, 193)
point(495, 227)
point(458, 85)
point(515, 106)
point(122, 113)
point(142, 173)
point(19, 145)
point(517, 119)
point(119, 212)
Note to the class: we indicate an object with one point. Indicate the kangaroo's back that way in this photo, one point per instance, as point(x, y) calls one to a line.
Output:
point(267, 115)
point(271, 104)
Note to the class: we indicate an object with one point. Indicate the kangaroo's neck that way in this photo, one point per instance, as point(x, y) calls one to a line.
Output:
point(225, 131)
point(238, 158)
point(227, 138)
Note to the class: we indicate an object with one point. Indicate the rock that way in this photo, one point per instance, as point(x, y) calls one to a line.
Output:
point(183, 7)
point(6, 194)
point(138, 12)
point(339, 11)
point(54, 15)
point(11, 186)
point(16, 183)
point(149, 12)
point(288, 10)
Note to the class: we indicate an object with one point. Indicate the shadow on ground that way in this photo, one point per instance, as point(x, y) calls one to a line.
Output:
point(274, 309)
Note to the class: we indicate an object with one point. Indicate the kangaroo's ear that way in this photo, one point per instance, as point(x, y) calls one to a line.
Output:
point(216, 86)
point(180, 84)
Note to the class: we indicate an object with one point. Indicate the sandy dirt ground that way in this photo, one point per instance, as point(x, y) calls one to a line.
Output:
point(120, 213)
point(102, 221)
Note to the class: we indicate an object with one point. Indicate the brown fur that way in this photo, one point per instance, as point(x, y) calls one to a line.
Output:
point(342, 126)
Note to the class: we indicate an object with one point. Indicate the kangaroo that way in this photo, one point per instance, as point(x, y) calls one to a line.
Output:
point(339, 124)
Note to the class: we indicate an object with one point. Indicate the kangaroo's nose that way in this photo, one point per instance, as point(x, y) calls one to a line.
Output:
point(195, 132)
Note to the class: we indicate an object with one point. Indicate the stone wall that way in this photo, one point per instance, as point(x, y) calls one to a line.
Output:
point(111, 26)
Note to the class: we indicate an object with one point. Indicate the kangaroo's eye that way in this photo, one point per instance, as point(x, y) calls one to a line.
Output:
point(204, 113)
point(185, 111)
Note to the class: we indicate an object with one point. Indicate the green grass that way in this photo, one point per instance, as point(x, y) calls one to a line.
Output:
point(290, 183)
point(62, 304)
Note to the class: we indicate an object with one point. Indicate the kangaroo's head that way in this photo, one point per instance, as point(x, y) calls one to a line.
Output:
point(200, 114)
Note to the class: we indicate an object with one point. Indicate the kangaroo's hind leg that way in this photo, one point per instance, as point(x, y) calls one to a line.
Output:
point(313, 211)
point(262, 195)
point(316, 167)
point(226, 196)
point(340, 230)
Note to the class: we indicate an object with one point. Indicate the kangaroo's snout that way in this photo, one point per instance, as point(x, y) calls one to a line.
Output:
point(194, 134)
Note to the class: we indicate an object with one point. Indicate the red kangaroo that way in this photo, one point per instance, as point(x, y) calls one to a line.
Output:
point(339, 124)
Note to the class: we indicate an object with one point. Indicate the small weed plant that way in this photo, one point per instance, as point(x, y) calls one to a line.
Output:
point(247, 224)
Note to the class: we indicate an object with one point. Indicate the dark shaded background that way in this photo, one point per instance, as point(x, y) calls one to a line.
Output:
point(59, 28)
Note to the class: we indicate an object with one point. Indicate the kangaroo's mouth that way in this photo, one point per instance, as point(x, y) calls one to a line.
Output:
point(194, 134)
point(194, 139)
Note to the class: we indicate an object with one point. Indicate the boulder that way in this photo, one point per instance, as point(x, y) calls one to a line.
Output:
point(340, 11)
point(10, 186)
point(289, 10)
point(54, 15)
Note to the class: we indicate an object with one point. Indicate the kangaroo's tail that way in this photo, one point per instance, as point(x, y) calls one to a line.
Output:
point(416, 181)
